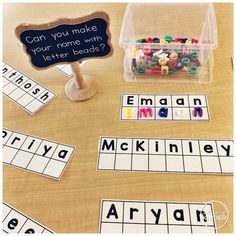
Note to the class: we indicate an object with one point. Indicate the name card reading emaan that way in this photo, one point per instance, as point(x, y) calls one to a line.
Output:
point(175, 107)
point(66, 40)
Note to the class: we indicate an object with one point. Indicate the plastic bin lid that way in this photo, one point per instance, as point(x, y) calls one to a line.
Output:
point(209, 26)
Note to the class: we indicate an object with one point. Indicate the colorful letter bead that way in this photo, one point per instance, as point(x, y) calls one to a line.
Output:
point(145, 112)
point(163, 112)
point(164, 69)
point(197, 111)
point(178, 59)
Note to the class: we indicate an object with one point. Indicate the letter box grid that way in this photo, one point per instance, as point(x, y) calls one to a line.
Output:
point(165, 155)
point(35, 154)
point(156, 217)
point(24, 91)
point(178, 107)
point(15, 221)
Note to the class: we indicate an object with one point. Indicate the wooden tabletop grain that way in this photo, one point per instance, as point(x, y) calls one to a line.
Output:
point(73, 203)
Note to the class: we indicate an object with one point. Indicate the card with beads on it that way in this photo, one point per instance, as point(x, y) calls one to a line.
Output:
point(24, 91)
point(37, 155)
point(126, 216)
point(165, 155)
point(169, 107)
point(14, 221)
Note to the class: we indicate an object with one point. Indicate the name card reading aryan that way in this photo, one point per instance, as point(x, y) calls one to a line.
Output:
point(66, 40)
point(126, 216)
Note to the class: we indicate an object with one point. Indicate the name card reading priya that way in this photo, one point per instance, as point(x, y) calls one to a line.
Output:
point(66, 40)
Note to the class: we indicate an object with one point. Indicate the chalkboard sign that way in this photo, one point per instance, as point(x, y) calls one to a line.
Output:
point(66, 40)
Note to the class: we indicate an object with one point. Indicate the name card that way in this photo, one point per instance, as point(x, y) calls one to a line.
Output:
point(166, 155)
point(125, 216)
point(15, 222)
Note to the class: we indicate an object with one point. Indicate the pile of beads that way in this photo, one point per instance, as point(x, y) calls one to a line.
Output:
point(168, 39)
point(149, 60)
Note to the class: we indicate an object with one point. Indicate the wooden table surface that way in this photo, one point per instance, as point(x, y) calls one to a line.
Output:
point(73, 203)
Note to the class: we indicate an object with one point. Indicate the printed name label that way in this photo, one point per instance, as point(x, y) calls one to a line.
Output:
point(165, 155)
point(118, 216)
point(15, 222)
point(34, 154)
point(25, 92)
point(178, 107)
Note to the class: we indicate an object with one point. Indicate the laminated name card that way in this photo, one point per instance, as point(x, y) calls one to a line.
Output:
point(24, 91)
point(126, 216)
point(160, 107)
point(34, 154)
point(15, 222)
point(166, 155)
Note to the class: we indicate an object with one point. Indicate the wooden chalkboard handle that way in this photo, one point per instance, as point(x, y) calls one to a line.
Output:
point(75, 66)
point(79, 88)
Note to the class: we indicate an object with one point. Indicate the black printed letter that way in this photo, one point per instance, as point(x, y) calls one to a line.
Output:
point(112, 212)
point(12, 223)
point(181, 217)
point(108, 146)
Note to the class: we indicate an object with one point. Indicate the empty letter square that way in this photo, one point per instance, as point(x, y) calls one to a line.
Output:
point(54, 168)
point(175, 163)
point(192, 164)
point(38, 163)
point(123, 162)
point(210, 164)
point(106, 161)
point(22, 159)
point(157, 163)
point(140, 162)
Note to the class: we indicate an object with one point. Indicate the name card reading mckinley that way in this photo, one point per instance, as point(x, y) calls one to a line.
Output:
point(66, 40)
point(34, 154)
point(166, 155)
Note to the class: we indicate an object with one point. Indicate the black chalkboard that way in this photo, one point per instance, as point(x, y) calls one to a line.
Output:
point(66, 40)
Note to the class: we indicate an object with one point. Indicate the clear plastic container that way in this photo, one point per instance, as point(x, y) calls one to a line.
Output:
point(193, 22)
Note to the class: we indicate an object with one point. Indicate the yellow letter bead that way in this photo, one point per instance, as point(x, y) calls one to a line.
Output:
point(162, 41)
point(174, 56)
point(134, 52)
point(188, 42)
point(164, 69)
point(162, 61)
point(128, 112)
point(185, 68)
